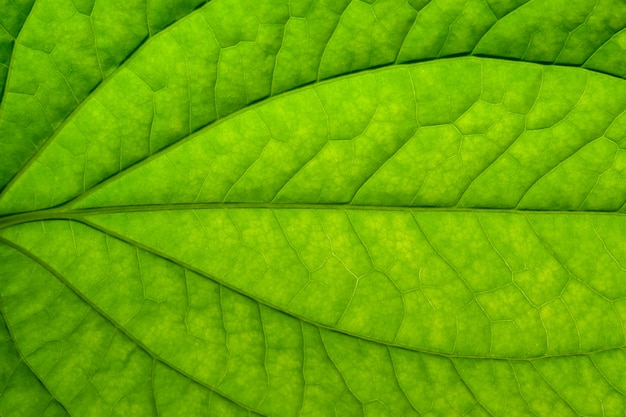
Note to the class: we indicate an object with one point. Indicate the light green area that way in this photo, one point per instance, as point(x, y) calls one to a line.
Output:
point(81, 67)
point(289, 208)
point(356, 326)
point(416, 138)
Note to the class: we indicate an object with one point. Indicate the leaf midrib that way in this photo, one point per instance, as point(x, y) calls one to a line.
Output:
point(64, 213)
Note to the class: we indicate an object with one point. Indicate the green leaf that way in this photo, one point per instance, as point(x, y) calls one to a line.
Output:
point(312, 208)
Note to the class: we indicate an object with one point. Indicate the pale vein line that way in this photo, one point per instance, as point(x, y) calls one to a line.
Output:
point(469, 390)
point(543, 378)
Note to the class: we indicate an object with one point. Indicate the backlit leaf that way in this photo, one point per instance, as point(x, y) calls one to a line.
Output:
point(312, 208)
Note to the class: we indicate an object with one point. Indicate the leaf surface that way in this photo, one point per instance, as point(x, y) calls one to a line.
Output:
point(310, 208)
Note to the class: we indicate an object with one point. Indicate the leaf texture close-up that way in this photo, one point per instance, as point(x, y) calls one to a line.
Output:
point(303, 208)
